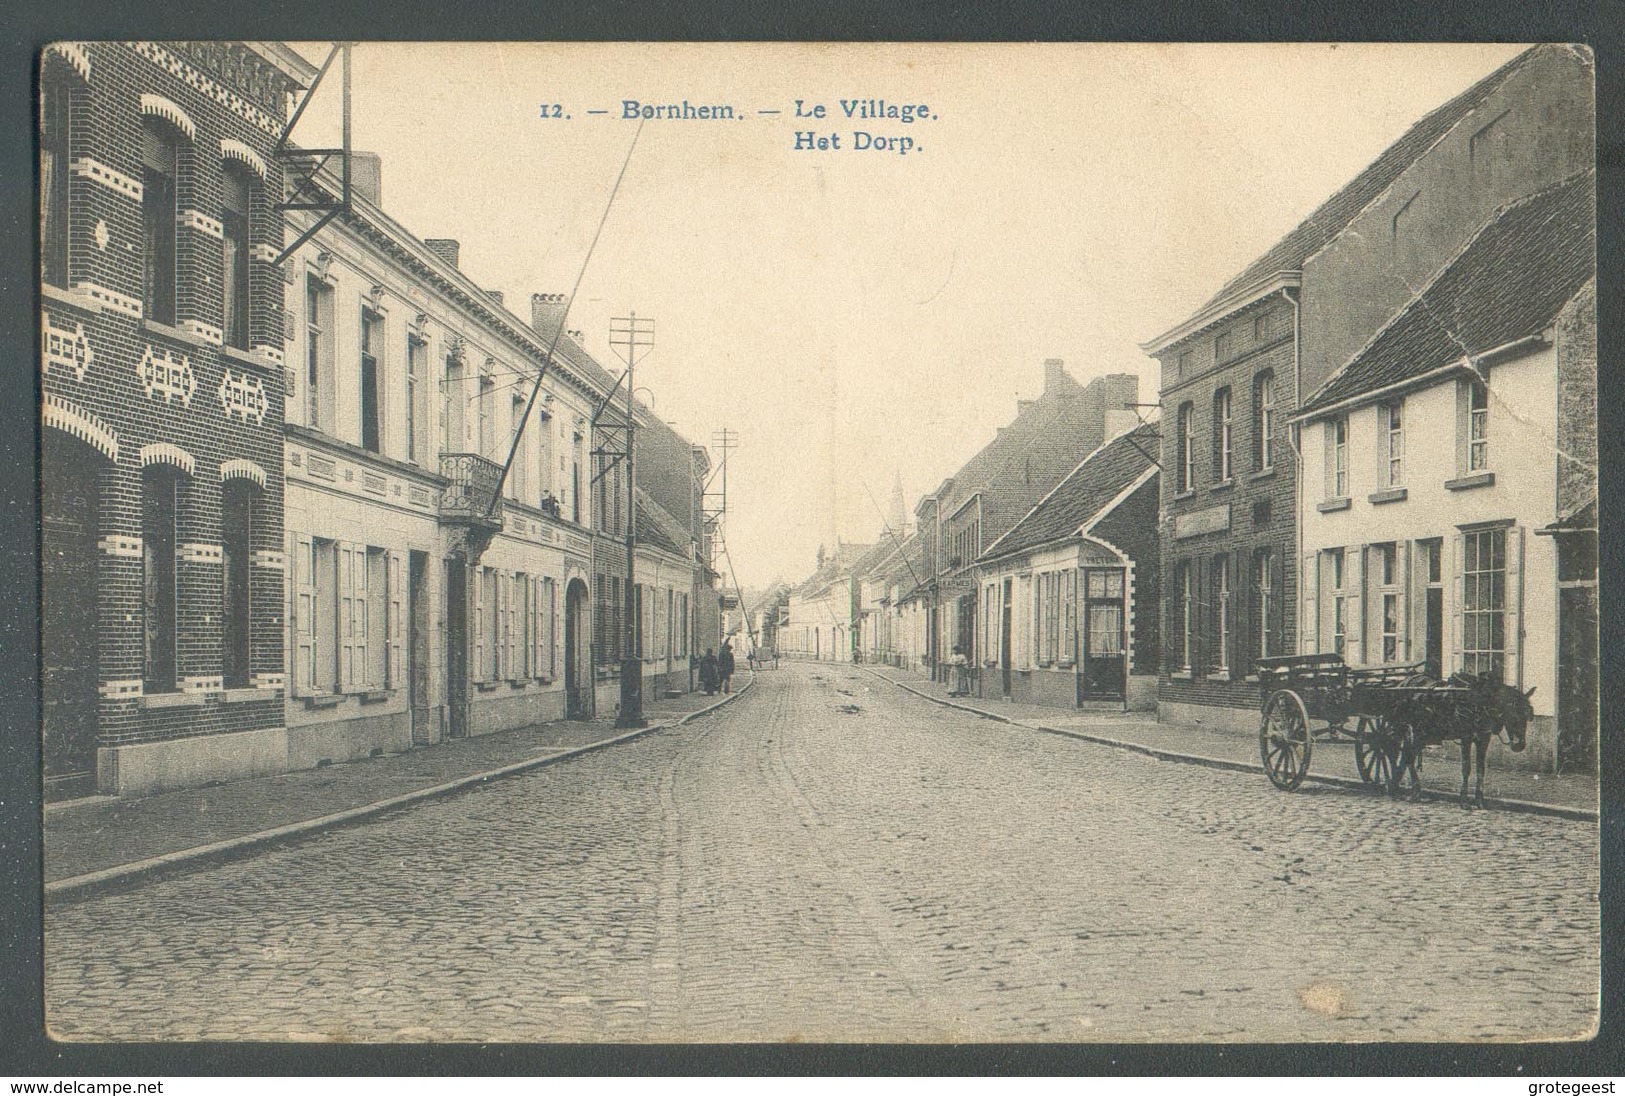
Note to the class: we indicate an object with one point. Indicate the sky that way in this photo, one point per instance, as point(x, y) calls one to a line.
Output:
point(860, 315)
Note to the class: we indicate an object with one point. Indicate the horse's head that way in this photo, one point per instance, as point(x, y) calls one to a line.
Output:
point(1501, 707)
point(1514, 711)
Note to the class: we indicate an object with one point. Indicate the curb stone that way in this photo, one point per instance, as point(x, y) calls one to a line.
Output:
point(1517, 806)
point(80, 886)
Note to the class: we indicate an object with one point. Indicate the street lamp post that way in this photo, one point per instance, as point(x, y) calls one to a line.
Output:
point(630, 337)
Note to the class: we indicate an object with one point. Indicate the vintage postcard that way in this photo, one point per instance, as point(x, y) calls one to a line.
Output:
point(690, 543)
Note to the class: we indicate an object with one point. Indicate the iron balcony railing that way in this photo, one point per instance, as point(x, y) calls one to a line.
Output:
point(473, 486)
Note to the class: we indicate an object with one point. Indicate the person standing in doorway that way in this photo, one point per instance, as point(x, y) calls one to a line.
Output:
point(725, 666)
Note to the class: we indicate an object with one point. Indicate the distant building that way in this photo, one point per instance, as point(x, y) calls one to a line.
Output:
point(997, 486)
point(823, 619)
point(1069, 595)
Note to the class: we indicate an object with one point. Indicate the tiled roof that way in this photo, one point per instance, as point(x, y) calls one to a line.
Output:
point(1509, 282)
point(658, 528)
point(1086, 491)
point(1339, 211)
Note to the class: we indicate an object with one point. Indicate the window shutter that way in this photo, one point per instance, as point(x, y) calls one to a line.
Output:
point(536, 586)
point(1463, 430)
point(1277, 621)
point(1354, 574)
point(1406, 562)
point(1309, 591)
point(1453, 611)
point(479, 579)
point(348, 617)
point(1513, 621)
point(396, 612)
point(302, 614)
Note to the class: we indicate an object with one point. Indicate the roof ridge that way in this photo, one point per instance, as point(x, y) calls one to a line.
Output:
point(1494, 219)
point(1458, 106)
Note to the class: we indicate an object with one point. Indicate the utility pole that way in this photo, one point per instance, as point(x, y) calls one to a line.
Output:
point(725, 441)
point(631, 337)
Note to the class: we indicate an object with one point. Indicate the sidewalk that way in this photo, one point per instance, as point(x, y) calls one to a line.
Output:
point(96, 842)
point(1570, 795)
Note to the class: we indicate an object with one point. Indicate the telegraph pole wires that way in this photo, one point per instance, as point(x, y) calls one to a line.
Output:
point(631, 337)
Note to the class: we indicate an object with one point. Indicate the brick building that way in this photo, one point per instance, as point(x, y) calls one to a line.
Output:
point(1236, 370)
point(161, 382)
point(997, 486)
point(1069, 595)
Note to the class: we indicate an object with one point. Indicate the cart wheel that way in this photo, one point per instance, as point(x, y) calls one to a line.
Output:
point(1406, 776)
point(1373, 752)
point(1283, 740)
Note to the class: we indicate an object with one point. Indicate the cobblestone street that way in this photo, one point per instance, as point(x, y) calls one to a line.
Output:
point(830, 858)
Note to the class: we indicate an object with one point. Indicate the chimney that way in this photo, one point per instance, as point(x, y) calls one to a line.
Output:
point(1056, 376)
point(367, 176)
point(446, 249)
point(547, 314)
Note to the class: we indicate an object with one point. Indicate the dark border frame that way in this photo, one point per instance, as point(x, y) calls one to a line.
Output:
point(24, 1050)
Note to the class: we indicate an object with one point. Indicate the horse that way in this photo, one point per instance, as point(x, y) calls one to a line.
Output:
point(1471, 709)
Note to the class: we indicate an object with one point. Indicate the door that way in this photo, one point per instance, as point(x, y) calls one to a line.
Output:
point(1104, 612)
point(577, 701)
point(424, 729)
point(1006, 631)
point(68, 558)
point(456, 647)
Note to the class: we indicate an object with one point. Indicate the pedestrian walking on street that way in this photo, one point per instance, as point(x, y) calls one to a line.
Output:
point(961, 669)
point(725, 666)
point(708, 672)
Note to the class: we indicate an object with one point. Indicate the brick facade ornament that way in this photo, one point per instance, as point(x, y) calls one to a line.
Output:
point(67, 349)
point(59, 413)
point(243, 394)
point(164, 453)
point(161, 374)
point(236, 150)
point(238, 468)
point(160, 107)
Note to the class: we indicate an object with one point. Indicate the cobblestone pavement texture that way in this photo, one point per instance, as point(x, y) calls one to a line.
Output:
point(1441, 765)
point(91, 836)
point(830, 858)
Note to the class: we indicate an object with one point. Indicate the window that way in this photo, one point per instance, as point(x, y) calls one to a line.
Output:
point(1187, 448)
point(1264, 420)
point(1385, 559)
point(1393, 434)
point(236, 540)
point(316, 627)
point(372, 342)
point(158, 214)
point(1222, 433)
point(1069, 616)
point(1185, 357)
point(483, 439)
point(1483, 602)
point(1187, 616)
point(1263, 327)
point(1221, 614)
point(1221, 346)
point(452, 434)
point(55, 156)
point(415, 352)
point(575, 482)
point(318, 355)
point(1337, 458)
point(1478, 426)
point(1264, 609)
point(1339, 600)
point(518, 481)
point(160, 489)
point(235, 202)
point(489, 626)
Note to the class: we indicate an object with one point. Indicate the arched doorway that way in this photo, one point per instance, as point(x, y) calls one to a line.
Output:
point(577, 673)
point(70, 474)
